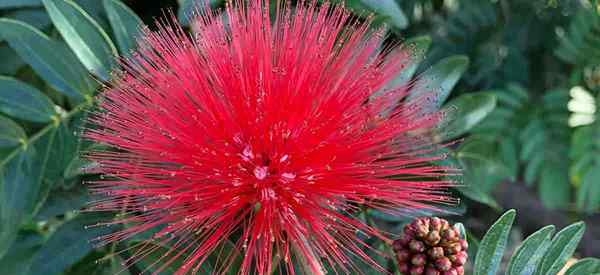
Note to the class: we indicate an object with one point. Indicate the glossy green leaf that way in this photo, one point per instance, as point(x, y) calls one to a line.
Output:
point(50, 59)
point(584, 266)
point(11, 134)
point(20, 100)
point(21, 254)
point(464, 112)
point(493, 244)
point(437, 82)
point(529, 254)
point(126, 25)
point(19, 3)
point(85, 37)
point(563, 245)
point(388, 9)
point(68, 244)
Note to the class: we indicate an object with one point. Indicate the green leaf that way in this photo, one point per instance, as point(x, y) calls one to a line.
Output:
point(388, 9)
point(158, 259)
point(186, 8)
point(11, 134)
point(588, 193)
point(158, 255)
point(527, 256)
point(11, 62)
point(25, 102)
point(493, 244)
point(584, 266)
point(125, 23)
point(85, 37)
point(464, 112)
point(554, 187)
point(17, 262)
point(36, 17)
point(562, 247)
point(50, 59)
point(61, 201)
point(437, 82)
point(19, 3)
point(417, 46)
point(22, 188)
point(68, 244)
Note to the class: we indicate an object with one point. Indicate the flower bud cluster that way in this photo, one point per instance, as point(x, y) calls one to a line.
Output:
point(430, 246)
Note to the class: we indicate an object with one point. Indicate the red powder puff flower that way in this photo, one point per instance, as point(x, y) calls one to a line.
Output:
point(270, 132)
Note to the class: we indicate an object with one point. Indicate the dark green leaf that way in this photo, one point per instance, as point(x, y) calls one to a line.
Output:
point(85, 37)
point(23, 101)
point(61, 201)
point(38, 18)
point(554, 187)
point(11, 134)
point(493, 244)
point(388, 9)
point(464, 112)
point(21, 186)
point(186, 8)
point(51, 60)
point(588, 194)
point(11, 62)
point(529, 254)
point(19, 3)
point(562, 247)
point(17, 262)
point(68, 244)
point(435, 84)
point(125, 23)
point(417, 47)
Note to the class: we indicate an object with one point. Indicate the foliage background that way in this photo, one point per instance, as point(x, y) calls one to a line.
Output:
point(525, 76)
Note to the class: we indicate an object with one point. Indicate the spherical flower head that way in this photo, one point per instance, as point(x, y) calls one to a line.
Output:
point(270, 127)
point(431, 246)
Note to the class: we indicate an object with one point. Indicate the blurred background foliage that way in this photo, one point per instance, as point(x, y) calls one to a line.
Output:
point(524, 76)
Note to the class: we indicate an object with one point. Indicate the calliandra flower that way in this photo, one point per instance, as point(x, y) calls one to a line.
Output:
point(431, 246)
point(269, 132)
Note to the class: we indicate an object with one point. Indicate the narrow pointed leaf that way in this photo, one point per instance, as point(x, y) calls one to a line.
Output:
point(525, 260)
point(563, 245)
point(85, 37)
point(50, 59)
point(126, 25)
point(20, 100)
point(493, 244)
